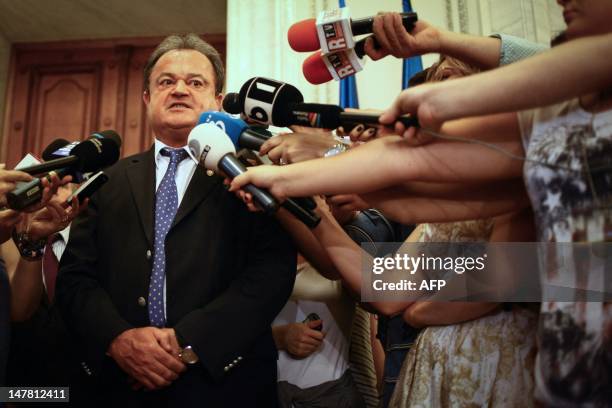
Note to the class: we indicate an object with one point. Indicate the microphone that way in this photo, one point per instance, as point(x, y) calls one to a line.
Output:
point(214, 149)
point(99, 150)
point(48, 153)
point(285, 108)
point(311, 35)
point(320, 68)
point(241, 135)
point(263, 100)
point(90, 155)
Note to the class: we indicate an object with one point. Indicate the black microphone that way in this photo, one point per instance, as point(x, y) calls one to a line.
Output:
point(28, 193)
point(320, 115)
point(276, 103)
point(215, 150)
point(264, 100)
point(48, 153)
point(365, 25)
point(99, 150)
point(90, 155)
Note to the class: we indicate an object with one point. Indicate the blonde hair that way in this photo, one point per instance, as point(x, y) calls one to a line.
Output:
point(435, 73)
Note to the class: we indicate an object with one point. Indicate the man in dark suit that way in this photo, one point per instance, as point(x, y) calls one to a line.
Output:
point(168, 282)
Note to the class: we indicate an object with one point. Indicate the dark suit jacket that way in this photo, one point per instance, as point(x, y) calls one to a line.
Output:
point(228, 273)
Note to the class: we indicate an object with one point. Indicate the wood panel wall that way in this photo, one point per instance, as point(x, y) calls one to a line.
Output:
point(71, 89)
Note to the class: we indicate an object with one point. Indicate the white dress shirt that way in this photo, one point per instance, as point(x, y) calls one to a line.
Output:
point(58, 248)
point(184, 173)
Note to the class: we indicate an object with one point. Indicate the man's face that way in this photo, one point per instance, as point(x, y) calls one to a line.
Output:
point(181, 87)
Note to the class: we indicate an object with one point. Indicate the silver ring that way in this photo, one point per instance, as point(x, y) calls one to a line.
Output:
point(282, 162)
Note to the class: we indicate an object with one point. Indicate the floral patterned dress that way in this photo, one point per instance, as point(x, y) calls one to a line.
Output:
point(483, 362)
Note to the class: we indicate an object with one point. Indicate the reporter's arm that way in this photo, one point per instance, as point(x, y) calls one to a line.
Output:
point(389, 161)
point(308, 245)
point(550, 77)
point(449, 203)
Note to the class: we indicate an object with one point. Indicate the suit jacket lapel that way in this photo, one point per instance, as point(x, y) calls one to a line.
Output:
point(141, 176)
point(200, 186)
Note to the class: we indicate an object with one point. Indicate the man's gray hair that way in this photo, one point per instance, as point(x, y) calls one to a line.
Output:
point(189, 41)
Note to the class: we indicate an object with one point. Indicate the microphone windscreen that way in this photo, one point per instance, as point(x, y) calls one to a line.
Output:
point(209, 144)
point(233, 127)
point(315, 71)
point(108, 134)
point(268, 101)
point(231, 103)
point(95, 154)
point(303, 36)
point(47, 154)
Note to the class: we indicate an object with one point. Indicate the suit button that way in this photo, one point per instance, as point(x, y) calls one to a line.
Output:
point(142, 301)
point(210, 173)
point(148, 254)
point(226, 369)
point(239, 358)
point(231, 365)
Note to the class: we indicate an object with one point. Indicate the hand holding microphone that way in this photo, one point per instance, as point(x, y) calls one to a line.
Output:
point(98, 151)
point(215, 151)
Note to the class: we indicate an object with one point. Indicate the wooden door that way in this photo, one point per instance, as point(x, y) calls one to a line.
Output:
point(72, 89)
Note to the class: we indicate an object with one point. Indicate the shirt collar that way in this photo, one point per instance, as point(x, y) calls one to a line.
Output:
point(160, 145)
point(65, 233)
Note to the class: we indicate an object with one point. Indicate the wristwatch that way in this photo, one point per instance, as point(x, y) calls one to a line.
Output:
point(336, 149)
point(188, 356)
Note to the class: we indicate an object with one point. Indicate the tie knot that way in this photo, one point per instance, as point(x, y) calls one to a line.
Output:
point(53, 238)
point(176, 155)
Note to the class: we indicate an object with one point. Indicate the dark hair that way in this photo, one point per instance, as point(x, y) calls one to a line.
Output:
point(186, 42)
point(418, 78)
point(558, 39)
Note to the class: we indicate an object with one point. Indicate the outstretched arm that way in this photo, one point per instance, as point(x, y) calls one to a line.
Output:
point(567, 71)
point(391, 161)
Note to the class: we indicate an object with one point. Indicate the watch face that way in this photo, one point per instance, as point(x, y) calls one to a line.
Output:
point(189, 356)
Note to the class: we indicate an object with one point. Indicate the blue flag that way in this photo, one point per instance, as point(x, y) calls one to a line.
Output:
point(348, 86)
point(412, 65)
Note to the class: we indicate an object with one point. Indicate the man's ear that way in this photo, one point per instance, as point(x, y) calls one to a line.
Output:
point(219, 101)
point(146, 97)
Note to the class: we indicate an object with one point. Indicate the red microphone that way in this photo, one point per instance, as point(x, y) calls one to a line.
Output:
point(320, 68)
point(304, 36)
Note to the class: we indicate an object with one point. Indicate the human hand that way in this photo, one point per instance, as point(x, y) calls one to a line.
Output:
point(303, 144)
point(8, 220)
point(266, 176)
point(418, 102)
point(8, 181)
point(53, 218)
point(302, 340)
point(144, 354)
point(393, 38)
point(344, 207)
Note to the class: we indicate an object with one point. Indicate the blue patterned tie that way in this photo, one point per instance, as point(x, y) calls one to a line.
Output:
point(166, 205)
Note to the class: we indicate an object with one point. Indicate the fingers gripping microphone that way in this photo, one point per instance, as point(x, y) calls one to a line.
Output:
point(215, 150)
point(312, 34)
point(92, 154)
point(244, 137)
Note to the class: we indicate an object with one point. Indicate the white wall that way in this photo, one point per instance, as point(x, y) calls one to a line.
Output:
point(257, 38)
point(5, 54)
